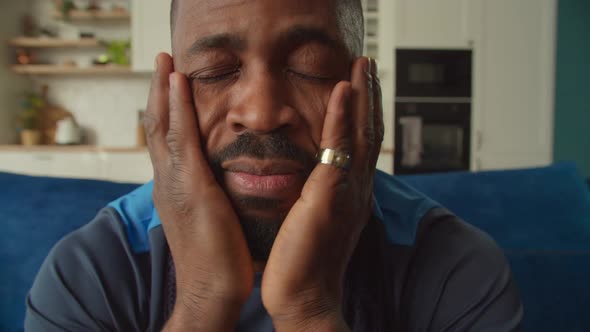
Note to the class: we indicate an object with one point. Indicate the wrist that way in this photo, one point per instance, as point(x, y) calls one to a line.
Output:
point(314, 309)
point(199, 314)
point(325, 323)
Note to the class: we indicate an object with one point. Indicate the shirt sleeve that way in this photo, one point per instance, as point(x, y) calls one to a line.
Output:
point(90, 281)
point(460, 281)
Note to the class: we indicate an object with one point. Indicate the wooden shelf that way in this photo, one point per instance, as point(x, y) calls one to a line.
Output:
point(70, 148)
point(70, 70)
point(53, 42)
point(86, 15)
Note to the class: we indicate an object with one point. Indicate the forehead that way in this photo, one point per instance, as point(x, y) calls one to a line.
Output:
point(260, 20)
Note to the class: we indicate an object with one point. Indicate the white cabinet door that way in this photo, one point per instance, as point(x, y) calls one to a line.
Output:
point(433, 23)
point(514, 83)
point(150, 32)
point(134, 167)
point(385, 162)
point(81, 165)
point(51, 163)
point(25, 162)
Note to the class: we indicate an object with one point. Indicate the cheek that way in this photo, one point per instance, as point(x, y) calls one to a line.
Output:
point(210, 112)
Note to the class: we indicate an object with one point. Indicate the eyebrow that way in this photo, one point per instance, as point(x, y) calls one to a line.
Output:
point(294, 36)
point(299, 35)
point(217, 41)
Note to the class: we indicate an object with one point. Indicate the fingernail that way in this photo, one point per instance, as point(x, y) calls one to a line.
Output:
point(368, 67)
point(156, 63)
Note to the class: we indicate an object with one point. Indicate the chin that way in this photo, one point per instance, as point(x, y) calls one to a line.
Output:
point(261, 218)
point(260, 231)
point(263, 207)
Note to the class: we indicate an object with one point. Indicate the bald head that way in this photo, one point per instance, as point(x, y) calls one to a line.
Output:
point(350, 18)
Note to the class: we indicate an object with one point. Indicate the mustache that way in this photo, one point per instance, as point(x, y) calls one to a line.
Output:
point(271, 146)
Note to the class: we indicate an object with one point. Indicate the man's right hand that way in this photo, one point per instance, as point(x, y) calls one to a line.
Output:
point(214, 272)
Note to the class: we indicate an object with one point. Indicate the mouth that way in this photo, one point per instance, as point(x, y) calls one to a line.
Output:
point(263, 178)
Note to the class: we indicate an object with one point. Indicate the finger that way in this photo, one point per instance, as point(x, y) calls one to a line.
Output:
point(336, 129)
point(183, 136)
point(378, 115)
point(362, 113)
point(156, 116)
point(335, 133)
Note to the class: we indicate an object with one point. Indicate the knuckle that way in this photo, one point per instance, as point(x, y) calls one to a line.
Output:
point(151, 124)
point(368, 135)
point(176, 193)
point(172, 190)
point(174, 139)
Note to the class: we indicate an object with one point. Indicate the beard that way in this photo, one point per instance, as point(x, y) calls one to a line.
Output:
point(260, 232)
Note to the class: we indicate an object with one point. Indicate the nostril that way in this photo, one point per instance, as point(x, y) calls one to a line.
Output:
point(238, 127)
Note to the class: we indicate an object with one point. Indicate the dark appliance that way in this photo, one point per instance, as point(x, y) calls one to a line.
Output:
point(432, 111)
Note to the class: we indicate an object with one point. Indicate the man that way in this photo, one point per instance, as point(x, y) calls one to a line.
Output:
point(264, 130)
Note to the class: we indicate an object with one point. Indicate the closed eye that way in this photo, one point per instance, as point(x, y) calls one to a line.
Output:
point(214, 78)
point(311, 77)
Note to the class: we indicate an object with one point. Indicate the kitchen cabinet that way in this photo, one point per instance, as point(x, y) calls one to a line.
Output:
point(433, 23)
point(514, 84)
point(127, 167)
point(75, 165)
point(29, 163)
point(54, 163)
point(123, 166)
point(150, 28)
point(385, 162)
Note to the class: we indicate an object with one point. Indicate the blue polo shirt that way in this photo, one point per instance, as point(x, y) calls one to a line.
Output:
point(116, 273)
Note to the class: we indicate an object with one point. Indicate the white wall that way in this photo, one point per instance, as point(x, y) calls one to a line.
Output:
point(11, 85)
point(106, 106)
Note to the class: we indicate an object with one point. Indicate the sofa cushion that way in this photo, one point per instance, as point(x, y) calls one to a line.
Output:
point(35, 213)
point(554, 289)
point(541, 217)
point(542, 208)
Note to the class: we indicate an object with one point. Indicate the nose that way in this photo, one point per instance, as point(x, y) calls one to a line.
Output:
point(262, 105)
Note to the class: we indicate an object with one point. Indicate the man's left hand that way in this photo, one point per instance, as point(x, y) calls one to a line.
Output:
point(303, 278)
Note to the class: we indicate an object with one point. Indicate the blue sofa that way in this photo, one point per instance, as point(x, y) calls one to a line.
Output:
point(539, 217)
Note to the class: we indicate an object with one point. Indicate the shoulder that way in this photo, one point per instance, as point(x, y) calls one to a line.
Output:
point(452, 276)
point(450, 237)
point(400, 207)
point(459, 279)
point(89, 279)
point(413, 220)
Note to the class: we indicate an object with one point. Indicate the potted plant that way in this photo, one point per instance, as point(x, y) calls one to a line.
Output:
point(117, 53)
point(29, 119)
point(65, 7)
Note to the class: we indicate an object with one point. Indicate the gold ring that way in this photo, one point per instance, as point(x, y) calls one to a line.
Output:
point(336, 158)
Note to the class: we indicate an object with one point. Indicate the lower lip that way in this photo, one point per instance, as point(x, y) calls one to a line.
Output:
point(260, 185)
